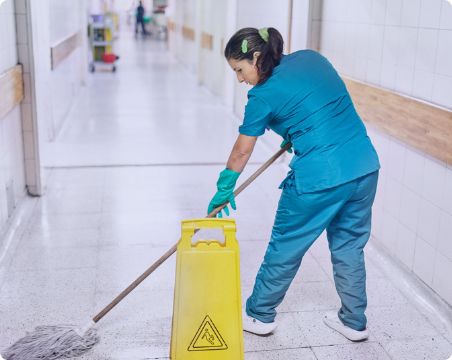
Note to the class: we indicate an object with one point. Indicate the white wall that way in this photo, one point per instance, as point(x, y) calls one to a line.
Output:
point(12, 176)
point(404, 46)
point(212, 65)
point(216, 18)
point(68, 17)
point(186, 13)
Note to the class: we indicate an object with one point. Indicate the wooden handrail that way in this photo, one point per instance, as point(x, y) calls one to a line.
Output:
point(64, 48)
point(418, 124)
point(11, 89)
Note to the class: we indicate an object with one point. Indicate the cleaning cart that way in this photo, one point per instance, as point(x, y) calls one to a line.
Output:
point(101, 39)
point(207, 317)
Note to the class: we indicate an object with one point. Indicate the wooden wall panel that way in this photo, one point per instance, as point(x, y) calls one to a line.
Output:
point(171, 25)
point(63, 49)
point(206, 41)
point(417, 124)
point(11, 89)
point(188, 33)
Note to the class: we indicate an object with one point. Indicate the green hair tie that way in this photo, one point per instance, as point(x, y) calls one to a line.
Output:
point(244, 46)
point(264, 34)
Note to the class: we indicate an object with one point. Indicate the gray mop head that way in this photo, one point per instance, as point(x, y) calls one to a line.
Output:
point(53, 342)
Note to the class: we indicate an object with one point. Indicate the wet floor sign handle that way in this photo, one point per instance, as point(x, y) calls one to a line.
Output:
point(207, 317)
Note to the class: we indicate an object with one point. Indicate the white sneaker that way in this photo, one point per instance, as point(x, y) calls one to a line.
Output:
point(332, 320)
point(257, 327)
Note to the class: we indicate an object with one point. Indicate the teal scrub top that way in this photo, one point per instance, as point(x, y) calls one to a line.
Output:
point(306, 102)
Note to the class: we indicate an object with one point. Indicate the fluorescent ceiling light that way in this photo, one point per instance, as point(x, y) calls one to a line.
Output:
point(450, 2)
point(2, 1)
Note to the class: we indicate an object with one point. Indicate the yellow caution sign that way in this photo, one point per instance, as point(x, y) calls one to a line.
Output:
point(207, 315)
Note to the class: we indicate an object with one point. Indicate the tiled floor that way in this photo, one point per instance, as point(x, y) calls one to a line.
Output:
point(140, 152)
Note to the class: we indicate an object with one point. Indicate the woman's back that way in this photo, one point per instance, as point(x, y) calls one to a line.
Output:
point(308, 104)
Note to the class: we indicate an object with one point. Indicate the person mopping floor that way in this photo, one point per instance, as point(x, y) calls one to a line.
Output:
point(331, 184)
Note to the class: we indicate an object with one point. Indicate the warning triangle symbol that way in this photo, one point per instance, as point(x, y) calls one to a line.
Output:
point(207, 337)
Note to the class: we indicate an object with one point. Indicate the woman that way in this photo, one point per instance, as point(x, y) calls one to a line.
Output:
point(331, 184)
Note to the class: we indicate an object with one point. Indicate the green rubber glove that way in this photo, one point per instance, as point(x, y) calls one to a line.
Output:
point(225, 191)
point(284, 143)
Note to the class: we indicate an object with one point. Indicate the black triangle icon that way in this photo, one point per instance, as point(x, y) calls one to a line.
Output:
point(207, 337)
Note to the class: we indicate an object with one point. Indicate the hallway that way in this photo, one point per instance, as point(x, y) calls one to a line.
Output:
point(139, 152)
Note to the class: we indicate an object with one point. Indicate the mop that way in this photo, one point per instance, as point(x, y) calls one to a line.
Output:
point(66, 341)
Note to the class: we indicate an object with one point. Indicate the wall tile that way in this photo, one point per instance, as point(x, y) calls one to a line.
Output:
point(395, 159)
point(362, 10)
point(360, 67)
point(392, 197)
point(446, 204)
point(441, 279)
point(388, 76)
point(406, 244)
point(378, 14)
point(410, 13)
point(376, 37)
point(407, 43)
point(433, 181)
point(423, 85)
point(424, 259)
point(444, 53)
point(9, 6)
point(428, 224)
point(414, 170)
point(389, 232)
point(391, 45)
point(446, 16)
point(442, 91)
point(426, 49)
point(361, 39)
point(393, 12)
point(430, 13)
point(409, 208)
point(329, 10)
point(404, 80)
point(445, 235)
point(373, 72)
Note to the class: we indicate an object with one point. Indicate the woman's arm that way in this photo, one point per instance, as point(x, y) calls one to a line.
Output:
point(241, 152)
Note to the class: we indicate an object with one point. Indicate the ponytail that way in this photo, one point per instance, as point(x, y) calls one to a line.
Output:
point(245, 42)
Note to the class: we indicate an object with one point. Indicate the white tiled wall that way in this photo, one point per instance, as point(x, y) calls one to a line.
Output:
point(11, 154)
point(187, 14)
point(402, 45)
point(66, 79)
point(413, 211)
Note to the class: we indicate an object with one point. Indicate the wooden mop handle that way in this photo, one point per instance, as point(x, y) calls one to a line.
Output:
point(173, 249)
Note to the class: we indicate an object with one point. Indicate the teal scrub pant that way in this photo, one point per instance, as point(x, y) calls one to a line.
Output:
point(345, 212)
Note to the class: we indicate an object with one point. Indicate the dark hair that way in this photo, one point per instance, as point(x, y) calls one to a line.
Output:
point(271, 50)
